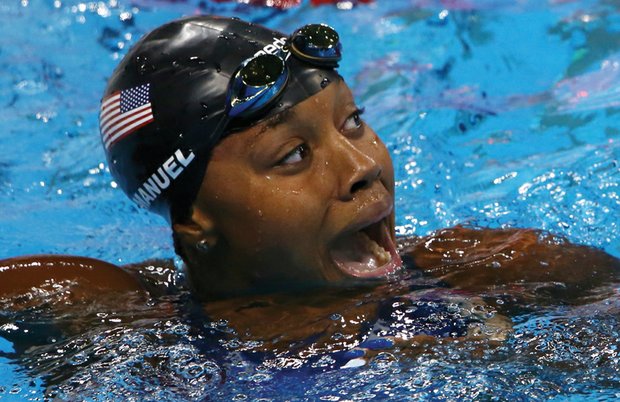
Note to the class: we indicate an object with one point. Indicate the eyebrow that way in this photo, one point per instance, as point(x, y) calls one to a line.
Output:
point(280, 118)
point(274, 121)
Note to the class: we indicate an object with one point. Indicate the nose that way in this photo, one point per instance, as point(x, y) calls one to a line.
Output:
point(357, 170)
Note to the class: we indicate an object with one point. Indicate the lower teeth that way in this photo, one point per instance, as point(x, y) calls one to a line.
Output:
point(381, 255)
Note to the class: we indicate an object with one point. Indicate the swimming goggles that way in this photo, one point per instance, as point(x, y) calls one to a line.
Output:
point(260, 80)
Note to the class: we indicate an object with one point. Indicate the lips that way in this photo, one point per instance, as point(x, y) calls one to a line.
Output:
point(367, 252)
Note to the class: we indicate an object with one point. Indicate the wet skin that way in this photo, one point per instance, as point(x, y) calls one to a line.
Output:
point(283, 201)
point(280, 204)
point(279, 199)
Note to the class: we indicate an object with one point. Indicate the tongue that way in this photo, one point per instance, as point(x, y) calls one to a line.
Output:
point(360, 253)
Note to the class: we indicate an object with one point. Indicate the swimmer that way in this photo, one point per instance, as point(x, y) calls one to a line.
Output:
point(250, 144)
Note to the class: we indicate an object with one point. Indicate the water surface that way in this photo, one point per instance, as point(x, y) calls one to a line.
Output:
point(496, 114)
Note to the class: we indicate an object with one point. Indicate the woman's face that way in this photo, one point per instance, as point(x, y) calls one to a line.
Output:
point(305, 198)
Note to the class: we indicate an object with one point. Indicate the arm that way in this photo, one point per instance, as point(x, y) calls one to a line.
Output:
point(91, 277)
point(486, 259)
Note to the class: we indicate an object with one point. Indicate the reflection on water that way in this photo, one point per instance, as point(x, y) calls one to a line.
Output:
point(166, 347)
point(496, 113)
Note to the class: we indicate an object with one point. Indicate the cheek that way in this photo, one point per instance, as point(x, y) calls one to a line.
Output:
point(256, 212)
point(227, 198)
point(291, 214)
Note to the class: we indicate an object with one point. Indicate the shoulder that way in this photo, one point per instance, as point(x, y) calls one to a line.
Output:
point(89, 275)
point(477, 259)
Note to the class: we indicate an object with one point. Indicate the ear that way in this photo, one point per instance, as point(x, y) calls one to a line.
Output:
point(198, 229)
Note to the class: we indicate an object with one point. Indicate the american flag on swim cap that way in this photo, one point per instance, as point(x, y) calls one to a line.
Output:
point(123, 112)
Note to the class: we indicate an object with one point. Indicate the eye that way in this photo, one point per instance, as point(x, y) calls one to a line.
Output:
point(295, 156)
point(354, 121)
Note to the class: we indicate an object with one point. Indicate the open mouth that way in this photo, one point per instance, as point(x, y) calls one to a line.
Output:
point(367, 253)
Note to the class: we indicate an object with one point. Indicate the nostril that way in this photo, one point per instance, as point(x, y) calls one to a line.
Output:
point(358, 185)
point(365, 179)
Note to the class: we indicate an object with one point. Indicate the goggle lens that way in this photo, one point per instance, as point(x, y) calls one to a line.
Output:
point(317, 44)
point(262, 70)
point(256, 84)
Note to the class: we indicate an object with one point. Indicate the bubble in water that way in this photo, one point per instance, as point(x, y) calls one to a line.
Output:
point(77, 359)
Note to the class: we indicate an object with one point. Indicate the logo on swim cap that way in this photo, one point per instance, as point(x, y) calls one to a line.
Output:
point(150, 121)
point(123, 112)
point(272, 48)
point(161, 179)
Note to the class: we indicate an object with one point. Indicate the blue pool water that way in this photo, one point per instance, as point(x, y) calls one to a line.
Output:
point(497, 113)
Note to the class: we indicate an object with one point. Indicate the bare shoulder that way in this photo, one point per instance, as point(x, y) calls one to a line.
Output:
point(476, 259)
point(92, 276)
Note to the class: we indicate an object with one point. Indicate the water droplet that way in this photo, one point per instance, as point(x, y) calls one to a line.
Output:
point(143, 65)
point(205, 112)
point(335, 317)
point(196, 59)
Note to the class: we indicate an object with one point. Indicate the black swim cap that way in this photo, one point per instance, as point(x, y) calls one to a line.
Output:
point(168, 95)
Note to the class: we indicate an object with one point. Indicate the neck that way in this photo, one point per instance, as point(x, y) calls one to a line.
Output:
point(213, 278)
